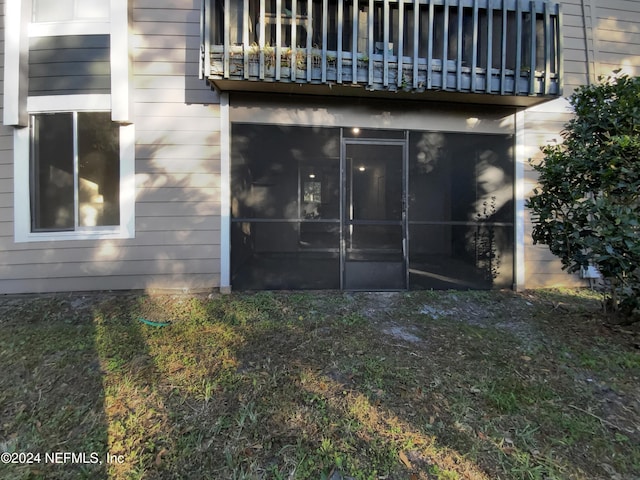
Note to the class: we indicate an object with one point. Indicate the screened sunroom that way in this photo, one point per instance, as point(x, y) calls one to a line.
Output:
point(370, 209)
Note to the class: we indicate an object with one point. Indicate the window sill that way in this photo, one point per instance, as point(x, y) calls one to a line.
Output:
point(106, 234)
point(85, 27)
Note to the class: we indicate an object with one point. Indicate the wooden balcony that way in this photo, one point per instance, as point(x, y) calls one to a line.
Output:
point(502, 51)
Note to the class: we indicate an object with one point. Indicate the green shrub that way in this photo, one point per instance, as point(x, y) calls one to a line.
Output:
point(586, 208)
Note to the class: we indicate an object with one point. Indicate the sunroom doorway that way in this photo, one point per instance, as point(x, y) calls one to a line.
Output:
point(374, 219)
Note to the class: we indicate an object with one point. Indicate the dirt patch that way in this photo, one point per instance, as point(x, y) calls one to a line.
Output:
point(406, 334)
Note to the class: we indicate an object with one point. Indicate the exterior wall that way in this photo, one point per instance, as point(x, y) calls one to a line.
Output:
point(77, 64)
point(617, 36)
point(577, 42)
point(6, 160)
point(599, 37)
point(372, 114)
point(177, 165)
point(542, 125)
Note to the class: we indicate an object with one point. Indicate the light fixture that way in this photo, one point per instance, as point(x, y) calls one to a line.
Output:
point(362, 169)
point(355, 130)
point(312, 175)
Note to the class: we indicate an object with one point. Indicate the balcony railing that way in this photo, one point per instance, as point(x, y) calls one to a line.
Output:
point(494, 47)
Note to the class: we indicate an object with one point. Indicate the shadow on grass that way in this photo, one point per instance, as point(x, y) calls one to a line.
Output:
point(423, 385)
point(51, 390)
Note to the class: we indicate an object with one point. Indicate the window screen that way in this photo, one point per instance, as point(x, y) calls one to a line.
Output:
point(461, 210)
point(285, 185)
point(75, 165)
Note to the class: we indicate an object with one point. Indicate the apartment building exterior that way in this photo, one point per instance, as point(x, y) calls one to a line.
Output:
point(280, 144)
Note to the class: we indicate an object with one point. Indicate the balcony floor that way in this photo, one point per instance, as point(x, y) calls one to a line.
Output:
point(359, 91)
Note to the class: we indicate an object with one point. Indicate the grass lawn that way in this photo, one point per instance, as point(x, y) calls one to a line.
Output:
point(420, 385)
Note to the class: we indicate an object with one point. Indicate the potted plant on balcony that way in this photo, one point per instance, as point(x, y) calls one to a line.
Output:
point(332, 73)
point(254, 59)
point(301, 64)
point(316, 64)
point(269, 61)
point(285, 63)
point(363, 67)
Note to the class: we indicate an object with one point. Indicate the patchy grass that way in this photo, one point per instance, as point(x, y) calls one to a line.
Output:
point(420, 385)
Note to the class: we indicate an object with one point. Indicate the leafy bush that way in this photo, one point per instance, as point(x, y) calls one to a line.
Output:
point(587, 208)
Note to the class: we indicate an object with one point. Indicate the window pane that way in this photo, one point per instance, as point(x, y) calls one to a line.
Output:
point(460, 256)
point(382, 242)
point(374, 189)
point(460, 177)
point(68, 10)
point(92, 9)
point(98, 170)
point(52, 172)
point(284, 255)
point(283, 172)
point(53, 11)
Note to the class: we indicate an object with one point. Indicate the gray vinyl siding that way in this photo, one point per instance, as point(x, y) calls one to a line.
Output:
point(542, 268)
point(68, 65)
point(576, 68)
point(178, 143)
point(618, 36)
point(177, 127)
point(6, 159)
point(597, 41)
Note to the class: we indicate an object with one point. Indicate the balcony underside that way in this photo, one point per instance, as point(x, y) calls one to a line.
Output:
point(356, 91)
point(503, 52)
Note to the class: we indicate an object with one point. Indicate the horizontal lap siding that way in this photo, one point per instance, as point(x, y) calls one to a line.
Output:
point(596, 43)
point(177, 125)
point(69, 65)
point(6, 159)
point(177, 121)
point(576, 68)
point(618, 36)
point(542, 126)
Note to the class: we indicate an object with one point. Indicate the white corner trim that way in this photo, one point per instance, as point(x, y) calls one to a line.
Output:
point(21, 182)
point(68, 103)
point(127, 180)
point(520, 159)
point(16, 59)
point(121, 64)
point(225, 193)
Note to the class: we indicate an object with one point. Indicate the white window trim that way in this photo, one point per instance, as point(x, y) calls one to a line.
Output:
point(88, 26)
point(22, 182)
point(67, 103)
point(121, 62)
point(77, 27)
point(225, 195)
point(16, 54)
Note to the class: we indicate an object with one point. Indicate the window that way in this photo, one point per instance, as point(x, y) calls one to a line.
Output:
point(312, 192)
point(75, 171)
point(69, 10)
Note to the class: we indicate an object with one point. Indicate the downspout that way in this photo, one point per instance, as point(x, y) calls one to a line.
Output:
point(589, 40)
